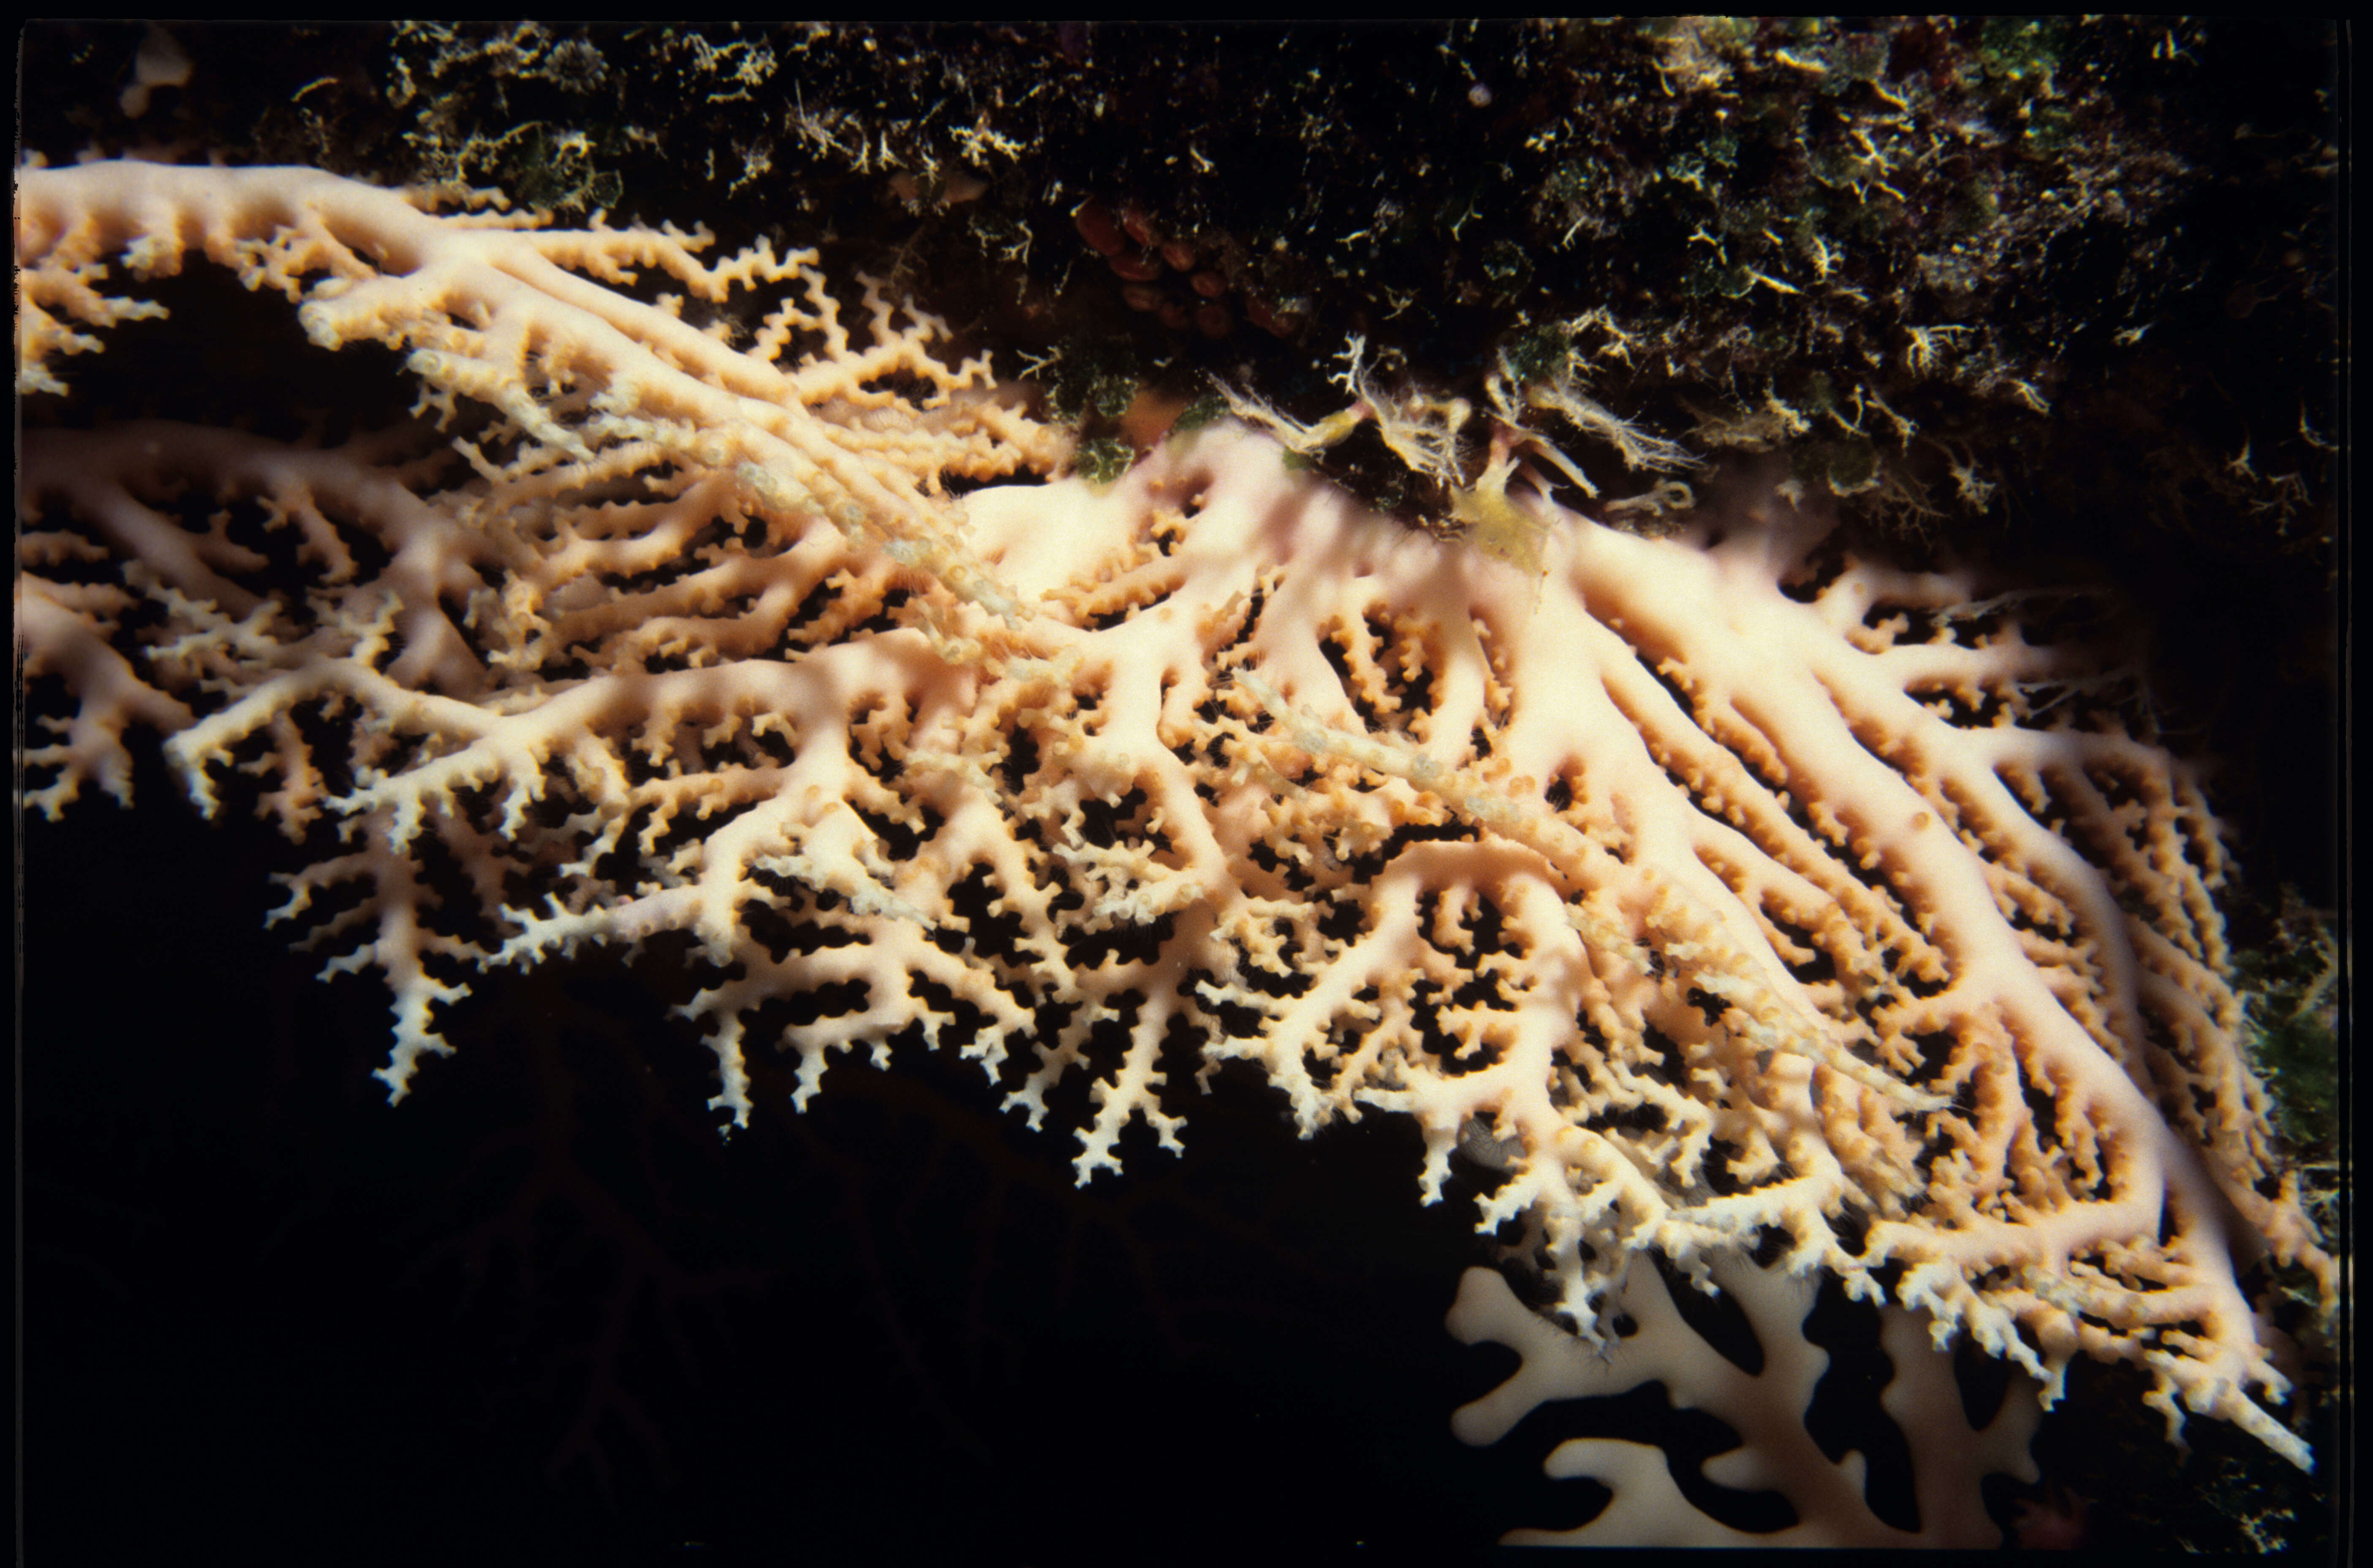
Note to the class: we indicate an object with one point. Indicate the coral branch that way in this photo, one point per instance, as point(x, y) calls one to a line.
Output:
point(1734, 883)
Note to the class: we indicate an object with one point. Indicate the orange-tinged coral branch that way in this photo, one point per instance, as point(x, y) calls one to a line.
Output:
point(1733, 884)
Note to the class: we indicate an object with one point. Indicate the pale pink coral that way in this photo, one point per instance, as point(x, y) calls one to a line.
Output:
point(1729, 883)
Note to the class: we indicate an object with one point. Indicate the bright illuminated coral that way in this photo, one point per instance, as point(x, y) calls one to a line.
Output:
point(1734, 883)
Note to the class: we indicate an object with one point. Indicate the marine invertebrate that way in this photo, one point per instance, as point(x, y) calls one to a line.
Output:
point(1733, 884)
point(1949, 1454)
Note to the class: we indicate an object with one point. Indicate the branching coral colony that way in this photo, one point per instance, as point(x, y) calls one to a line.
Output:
point(1724, 884)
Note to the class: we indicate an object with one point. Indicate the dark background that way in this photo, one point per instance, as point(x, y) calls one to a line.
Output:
point(542, 1310)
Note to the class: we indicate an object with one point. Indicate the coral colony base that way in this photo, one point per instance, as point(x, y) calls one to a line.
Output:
point(1718, 890)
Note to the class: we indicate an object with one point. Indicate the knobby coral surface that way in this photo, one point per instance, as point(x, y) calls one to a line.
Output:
point(1708, 886)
